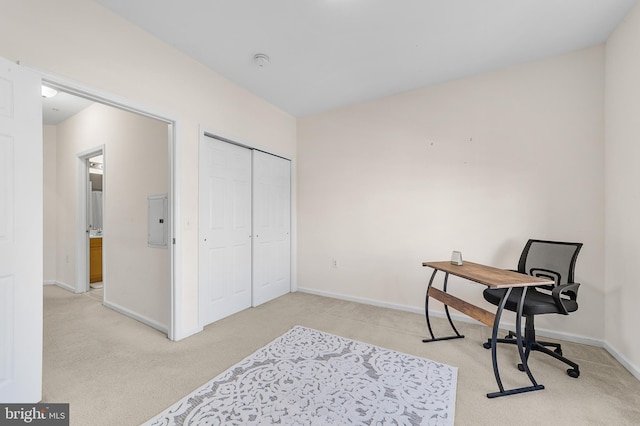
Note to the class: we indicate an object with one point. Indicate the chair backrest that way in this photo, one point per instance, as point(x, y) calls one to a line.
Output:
point(550, 259)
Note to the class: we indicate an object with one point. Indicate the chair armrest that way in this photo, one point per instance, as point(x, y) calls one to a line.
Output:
point(570, 290)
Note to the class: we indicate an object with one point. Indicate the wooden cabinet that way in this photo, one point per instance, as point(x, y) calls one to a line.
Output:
point(95, 260)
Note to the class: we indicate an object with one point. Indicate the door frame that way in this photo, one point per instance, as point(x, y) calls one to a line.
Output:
point(175, 330)
point(82, 218)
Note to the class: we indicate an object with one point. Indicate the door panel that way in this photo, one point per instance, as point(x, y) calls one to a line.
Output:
point(20, 235)
point(224, 230)
point(271, 227)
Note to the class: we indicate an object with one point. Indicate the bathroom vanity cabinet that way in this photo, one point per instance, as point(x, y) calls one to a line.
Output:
point(95, 260)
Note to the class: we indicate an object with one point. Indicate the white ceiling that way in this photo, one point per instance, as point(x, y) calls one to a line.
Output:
point(330, 53)
point(58, 108)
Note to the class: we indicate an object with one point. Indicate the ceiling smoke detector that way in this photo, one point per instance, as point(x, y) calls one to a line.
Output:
point(261, 60)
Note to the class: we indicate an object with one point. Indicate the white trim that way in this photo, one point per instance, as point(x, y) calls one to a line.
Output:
point(506, 326)
point(365, 301)
point(238, 141)
point(294, 227)
point(461, 318)
point(175, 236)
point(136, 316)
point(127, 312)
point(622, 360)
point(97, 95)
point(187, 333)
point(64, 286)
point(49, 282)
point(77, 88)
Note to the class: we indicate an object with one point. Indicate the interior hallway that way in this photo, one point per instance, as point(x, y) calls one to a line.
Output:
point(115, 370)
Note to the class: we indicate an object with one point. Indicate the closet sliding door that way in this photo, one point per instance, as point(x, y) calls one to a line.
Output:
point(244, 228)
point(271, 227)
point(224, 260)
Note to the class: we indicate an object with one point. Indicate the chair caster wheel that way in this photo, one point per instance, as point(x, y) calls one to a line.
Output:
point(558, 351)
point(520, 367)
point(573, 372)
point(508, 336)
point(486, 345)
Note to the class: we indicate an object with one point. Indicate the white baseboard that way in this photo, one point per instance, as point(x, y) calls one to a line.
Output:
point(506, 325)
point(61, 285)
point(124, 311)
point(363, 300)
point(622, 360)
point(49, 282)
point(148, 321)
point(187, 333)
point(458, 317)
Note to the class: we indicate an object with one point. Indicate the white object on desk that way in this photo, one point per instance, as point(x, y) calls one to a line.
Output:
point(456, 258)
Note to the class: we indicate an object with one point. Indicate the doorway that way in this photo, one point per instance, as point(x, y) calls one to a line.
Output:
point(91, 177)
point(138, 280)
point(96, 210)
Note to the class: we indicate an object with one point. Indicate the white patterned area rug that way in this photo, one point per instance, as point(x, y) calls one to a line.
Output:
point(308, 377)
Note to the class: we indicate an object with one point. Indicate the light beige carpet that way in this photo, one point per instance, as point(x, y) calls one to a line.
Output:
point(116, 371)
point(308, 377)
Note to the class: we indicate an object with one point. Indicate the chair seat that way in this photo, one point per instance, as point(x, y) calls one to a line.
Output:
point(535, 303)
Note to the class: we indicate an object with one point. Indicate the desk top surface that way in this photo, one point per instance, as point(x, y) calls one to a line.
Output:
point(488, 275)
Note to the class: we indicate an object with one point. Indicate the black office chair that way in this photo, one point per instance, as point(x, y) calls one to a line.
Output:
point(549, 259)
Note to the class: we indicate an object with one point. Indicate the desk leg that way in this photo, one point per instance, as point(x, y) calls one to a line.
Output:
point(494, 344)
point(524, 355)
point(446, 309)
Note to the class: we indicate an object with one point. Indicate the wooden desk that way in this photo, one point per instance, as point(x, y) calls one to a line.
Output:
point(494, 278)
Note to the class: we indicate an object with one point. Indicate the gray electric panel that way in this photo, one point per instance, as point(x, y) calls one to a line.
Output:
point(158, 220)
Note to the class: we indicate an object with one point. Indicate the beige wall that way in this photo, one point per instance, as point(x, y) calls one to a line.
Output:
point(50, 216)
point(84, 42)
point(137, 165)
point(623, 197)
point(477, 165)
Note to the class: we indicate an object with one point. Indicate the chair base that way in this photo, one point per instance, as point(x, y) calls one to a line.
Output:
point(531, 344)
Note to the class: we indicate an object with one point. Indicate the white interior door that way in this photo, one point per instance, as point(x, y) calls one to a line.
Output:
point(224, 229)
point(271, 227)
point(20, 235)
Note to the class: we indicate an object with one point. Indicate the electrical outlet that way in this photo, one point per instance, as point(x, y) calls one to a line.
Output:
point(334, 263)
